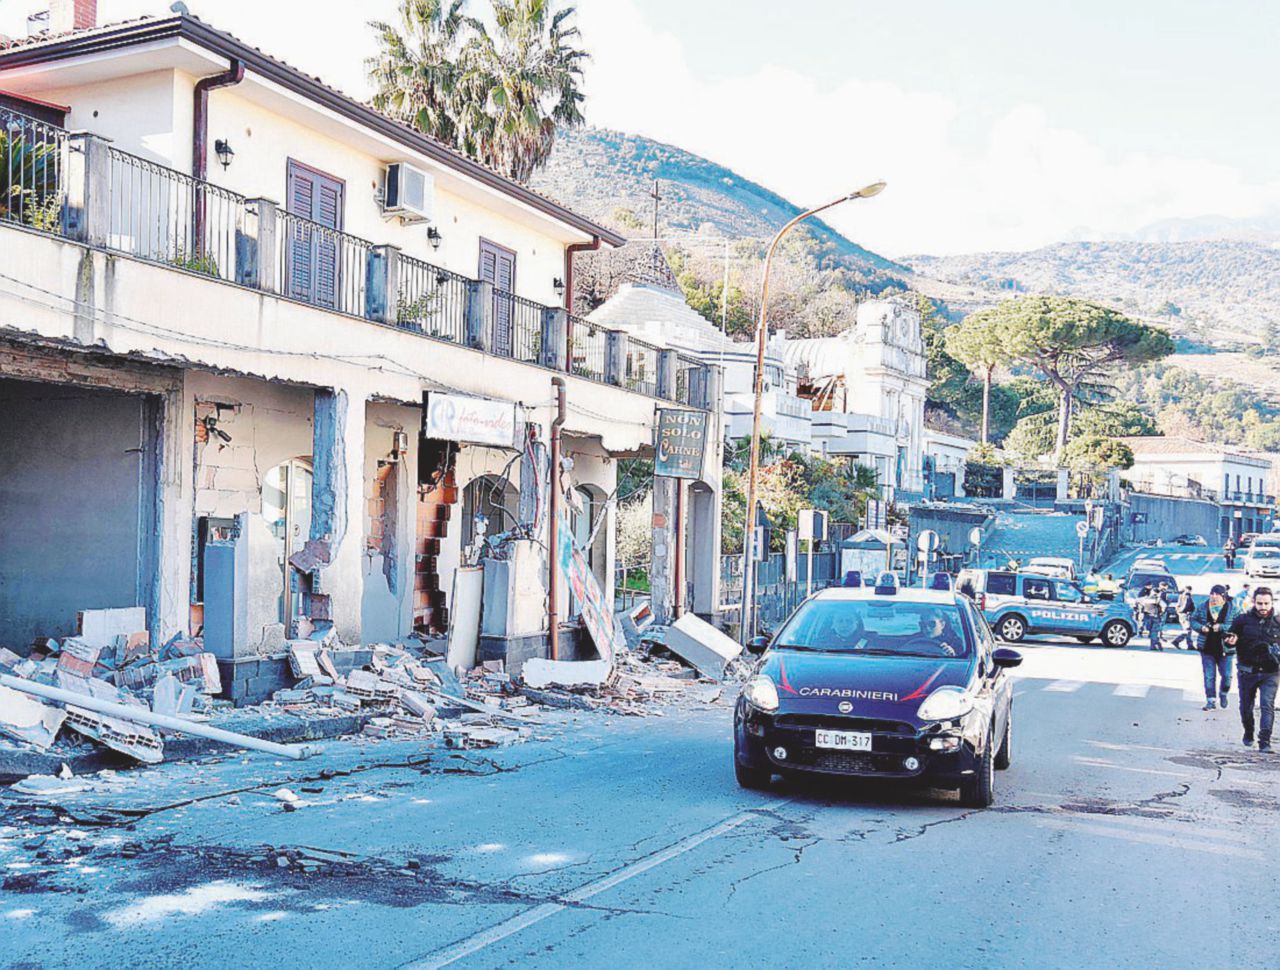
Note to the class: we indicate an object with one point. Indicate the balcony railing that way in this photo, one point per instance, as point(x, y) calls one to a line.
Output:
point(32, 161)
point(82, 187)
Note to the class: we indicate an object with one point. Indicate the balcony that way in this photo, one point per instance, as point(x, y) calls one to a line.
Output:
point(80, 187)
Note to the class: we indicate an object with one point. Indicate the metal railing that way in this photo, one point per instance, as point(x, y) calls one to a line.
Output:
point(432, 301)
point(589, 350)
point(517, 327)
point(32, 163)
point(322, 266)
point(162, 215)
point(166, 216)
point(640, 372)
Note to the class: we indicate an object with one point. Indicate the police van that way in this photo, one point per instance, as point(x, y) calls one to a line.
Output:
point(1018, 605)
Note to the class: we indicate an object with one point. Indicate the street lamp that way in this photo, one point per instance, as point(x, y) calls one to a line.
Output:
point(762, 332)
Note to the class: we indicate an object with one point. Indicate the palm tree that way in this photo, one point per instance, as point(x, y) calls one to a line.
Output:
point(498, 97)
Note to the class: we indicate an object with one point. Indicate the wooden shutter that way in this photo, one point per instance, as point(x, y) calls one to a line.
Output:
point(311, 271)
point(498, 266)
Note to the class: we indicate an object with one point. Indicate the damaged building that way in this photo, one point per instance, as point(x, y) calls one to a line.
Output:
point(274, 366)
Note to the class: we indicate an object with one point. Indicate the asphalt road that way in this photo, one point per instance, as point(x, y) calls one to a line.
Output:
point(1132, 830)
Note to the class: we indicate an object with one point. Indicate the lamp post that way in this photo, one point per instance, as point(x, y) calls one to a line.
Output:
point(762, 332)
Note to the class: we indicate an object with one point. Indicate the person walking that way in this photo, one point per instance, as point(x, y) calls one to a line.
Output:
point(1154, 603)
point(1244, 599)
point(1209, 624)
point(1229, 552)
point(1256, 638)
point(1186, 609)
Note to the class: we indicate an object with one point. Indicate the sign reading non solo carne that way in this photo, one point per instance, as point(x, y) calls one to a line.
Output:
point(682, 443)
point(477, 420)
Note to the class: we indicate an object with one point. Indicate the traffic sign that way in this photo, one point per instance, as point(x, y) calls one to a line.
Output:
point(927, 541)
point(975, 536)
point(1082, 529)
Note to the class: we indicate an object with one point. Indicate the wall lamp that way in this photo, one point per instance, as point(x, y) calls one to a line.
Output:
point(434, 237)
point(558, 285)
point(225, 152)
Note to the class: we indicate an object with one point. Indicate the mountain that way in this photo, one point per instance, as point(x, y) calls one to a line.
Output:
point(1217, 290)
point(603, 173)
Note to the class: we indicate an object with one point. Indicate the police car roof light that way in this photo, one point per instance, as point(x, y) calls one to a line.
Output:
point(941, 581)
point(852, 579)
point(887, 584)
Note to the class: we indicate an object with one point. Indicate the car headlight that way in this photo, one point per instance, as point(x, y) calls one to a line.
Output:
point(761, 693)
point(946, 704)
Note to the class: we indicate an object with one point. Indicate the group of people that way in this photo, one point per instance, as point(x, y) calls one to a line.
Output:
point(1237, 635)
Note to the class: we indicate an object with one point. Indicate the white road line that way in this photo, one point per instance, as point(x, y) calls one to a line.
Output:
point(1099, 763)
point(1113, 746)
point(509, 927)
point(1065, 686)
point(1149, 838)
point(1131, 690)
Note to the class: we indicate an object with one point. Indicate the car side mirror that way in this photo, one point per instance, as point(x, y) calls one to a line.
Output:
point(757, 645)
point(1006, 658)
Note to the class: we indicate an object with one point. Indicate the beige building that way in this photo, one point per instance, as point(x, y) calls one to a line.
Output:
point(241, 312)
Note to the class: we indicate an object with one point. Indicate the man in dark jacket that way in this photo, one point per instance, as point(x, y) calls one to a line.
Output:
point(1186, 609)
point(1256, 637)
point(1208, 624)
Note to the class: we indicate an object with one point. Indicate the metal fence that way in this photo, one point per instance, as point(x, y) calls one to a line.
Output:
point(776, 596)
point(641, 370)
point(690, 381)
point(322, 266)
point(32, 162)
point(589, 349)
point(166, 216)
point(517, 325)
point(432, 301)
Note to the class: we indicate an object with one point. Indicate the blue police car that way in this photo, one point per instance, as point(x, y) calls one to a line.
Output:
point(1017, 605)
point(879, 682)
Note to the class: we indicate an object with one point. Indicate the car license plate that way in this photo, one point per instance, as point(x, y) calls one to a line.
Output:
point(843, 740)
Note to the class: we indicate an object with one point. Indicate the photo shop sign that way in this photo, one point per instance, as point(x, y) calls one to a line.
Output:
point(682, 443)
point(474, 420)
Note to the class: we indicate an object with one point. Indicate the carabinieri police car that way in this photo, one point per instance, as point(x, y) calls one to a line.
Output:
point(883, 683)
point(1044, 604)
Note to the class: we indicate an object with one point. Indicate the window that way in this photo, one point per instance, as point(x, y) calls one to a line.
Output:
point(498, 266)
point(493, 497)
point(311, 260)
point(1001, 584)
point(1069, 593)
point(1037, 589)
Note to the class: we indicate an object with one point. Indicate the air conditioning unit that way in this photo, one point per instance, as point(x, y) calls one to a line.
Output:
point(408, 192)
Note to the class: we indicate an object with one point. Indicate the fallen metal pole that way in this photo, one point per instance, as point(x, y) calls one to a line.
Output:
point(140, 715)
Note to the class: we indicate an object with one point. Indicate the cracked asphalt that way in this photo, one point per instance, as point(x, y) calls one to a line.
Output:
point(1133, 829)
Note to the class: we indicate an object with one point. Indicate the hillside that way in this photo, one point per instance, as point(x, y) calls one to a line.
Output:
point(1220, 290)
point(600, 172)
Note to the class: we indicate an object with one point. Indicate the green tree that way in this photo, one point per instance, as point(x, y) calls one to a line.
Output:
point(979, 344)
point(497, 95)
point(1072, 342)
point(1117, 419)
point(1094, 454)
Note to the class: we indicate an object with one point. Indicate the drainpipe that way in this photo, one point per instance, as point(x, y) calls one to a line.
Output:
point(553, 576)
point(200, 136)
point(569, 251)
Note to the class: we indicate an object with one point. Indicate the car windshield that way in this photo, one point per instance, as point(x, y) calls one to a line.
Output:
point(876, 628)
point(1138, 580)
point(1266, 552)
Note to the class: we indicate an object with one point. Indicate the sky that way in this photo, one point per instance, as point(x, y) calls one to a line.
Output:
point(998, 124)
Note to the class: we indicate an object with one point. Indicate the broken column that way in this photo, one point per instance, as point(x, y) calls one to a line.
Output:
point(662, 560)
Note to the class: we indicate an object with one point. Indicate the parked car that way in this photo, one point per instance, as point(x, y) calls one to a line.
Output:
point(1152, 573)
point(1263, 562)
point(1048, 605)
point(1059, 566)
point(1246, 540)
point(880, 682)
point(1189, 539)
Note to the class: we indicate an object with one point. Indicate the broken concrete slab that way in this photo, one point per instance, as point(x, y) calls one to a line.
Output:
point(635, 622)
point(702, 645)
point(27, 719)
point(101, 627)
point(539, 673)
point(79, 657)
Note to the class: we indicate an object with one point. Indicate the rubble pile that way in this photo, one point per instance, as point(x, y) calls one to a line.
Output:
point(110, 659)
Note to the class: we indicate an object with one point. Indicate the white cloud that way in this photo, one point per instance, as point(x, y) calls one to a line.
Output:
point(959, 179)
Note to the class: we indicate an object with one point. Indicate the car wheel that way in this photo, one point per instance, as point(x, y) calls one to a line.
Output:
point(1004, 757)
point(1116, 634)
point(1012, 629)
point(980, 790)
point(753, 778)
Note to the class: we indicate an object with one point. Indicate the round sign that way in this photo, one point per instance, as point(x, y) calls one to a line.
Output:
point(975, 536)
point(927, 541)
point(1082, 529)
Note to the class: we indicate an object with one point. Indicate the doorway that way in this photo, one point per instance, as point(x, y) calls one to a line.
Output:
point(286, 507)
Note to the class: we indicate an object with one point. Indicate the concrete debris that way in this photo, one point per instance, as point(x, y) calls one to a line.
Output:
point(101, 627)
point(539, 673)
point(49, 785)
point(284, 795)
point(127, 737)
point(707, 649)
point(635, 622)
point(27, 719)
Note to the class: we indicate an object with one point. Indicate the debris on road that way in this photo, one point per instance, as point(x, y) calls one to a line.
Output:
point(702, 645)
